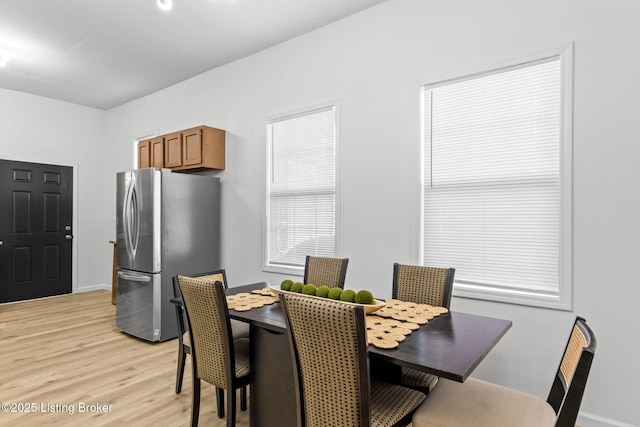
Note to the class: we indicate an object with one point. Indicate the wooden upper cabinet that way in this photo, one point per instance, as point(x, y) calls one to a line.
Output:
point(189, 150)
point(173, 150)
point(202, 148)
point(144, 154)
point(192, 147)
point(151, 153)
point(157, 152)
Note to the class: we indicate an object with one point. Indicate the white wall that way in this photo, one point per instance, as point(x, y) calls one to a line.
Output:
point(41, 130)
point(372, 62)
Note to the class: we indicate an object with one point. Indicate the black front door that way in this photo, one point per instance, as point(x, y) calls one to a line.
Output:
point(36, 206)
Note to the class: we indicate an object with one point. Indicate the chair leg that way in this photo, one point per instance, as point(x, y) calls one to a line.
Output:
point(243, 398)
point(231, 407)
point(220, 402)
point(182, 357)
point(195, 404)
point(183, 349)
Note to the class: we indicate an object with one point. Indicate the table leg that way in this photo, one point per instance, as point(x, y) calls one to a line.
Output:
point(273, 399)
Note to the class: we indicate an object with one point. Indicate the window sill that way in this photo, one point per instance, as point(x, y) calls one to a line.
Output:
point(551, 301)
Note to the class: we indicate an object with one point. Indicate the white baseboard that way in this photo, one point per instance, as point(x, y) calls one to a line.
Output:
point(590, 420)
point(101, 287)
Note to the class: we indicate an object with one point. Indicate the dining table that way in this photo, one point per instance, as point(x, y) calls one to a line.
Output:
point(450, 346)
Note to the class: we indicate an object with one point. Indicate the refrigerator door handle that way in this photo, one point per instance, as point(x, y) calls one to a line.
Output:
point(131, 219)
point(134, 277)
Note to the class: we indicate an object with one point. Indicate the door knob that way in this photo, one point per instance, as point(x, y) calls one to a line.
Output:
point(1, 243)
point(68, 237)
point(68, 228)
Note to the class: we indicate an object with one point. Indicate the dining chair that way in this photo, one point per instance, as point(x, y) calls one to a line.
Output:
point(329, 348)
point(480, 403)
point(215, 357)
point(239, 329)
point(422, 285)
point(324, 271)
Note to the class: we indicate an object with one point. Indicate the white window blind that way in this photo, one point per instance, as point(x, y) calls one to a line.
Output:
point(301, 188)
point(492, 181)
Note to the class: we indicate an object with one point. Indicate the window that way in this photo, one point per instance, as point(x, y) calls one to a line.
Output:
point(497, 180)
point(301, 188)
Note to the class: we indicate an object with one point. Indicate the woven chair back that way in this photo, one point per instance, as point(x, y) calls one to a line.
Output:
point(423, 285)
point(207, 313)
point(577, 342)
point(570, 381)
point(215, 277)
point(322, 271)
point(328, 339)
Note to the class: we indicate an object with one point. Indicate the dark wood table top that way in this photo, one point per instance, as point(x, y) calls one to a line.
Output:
point(449, 346)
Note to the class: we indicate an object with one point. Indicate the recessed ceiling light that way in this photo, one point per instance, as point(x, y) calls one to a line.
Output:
point(165, 4)
point(4, 59)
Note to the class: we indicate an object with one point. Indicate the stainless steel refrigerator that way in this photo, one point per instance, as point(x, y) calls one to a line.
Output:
point(167, 223)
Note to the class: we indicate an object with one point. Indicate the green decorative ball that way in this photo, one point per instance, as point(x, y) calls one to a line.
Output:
point(364, 297)
point(297, 287)
point(286, 285)
point(348, 295)
point(334, 293)
point(323, 291)
point(309, 289)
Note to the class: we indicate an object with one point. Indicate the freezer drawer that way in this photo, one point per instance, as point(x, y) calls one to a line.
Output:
point(138, 305)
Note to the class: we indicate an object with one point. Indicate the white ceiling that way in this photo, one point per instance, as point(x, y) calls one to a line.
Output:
point(103, 53)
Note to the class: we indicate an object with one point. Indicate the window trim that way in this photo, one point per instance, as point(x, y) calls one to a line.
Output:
point(290, 114)
point(563, 299)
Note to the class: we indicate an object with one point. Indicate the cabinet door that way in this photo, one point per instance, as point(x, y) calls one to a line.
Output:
point(192, 147)
point(144, 154)
point(173, 150)
point(157, 152)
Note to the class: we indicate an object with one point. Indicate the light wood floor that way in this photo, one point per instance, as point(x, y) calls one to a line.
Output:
point(63, 352)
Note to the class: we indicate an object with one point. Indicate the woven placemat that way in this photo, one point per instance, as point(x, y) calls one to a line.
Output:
point(389, 325)
point(245, 301)
point(264, 291)
point(410, 311)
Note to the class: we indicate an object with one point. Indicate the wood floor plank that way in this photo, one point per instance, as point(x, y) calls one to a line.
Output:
point(64, 352)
